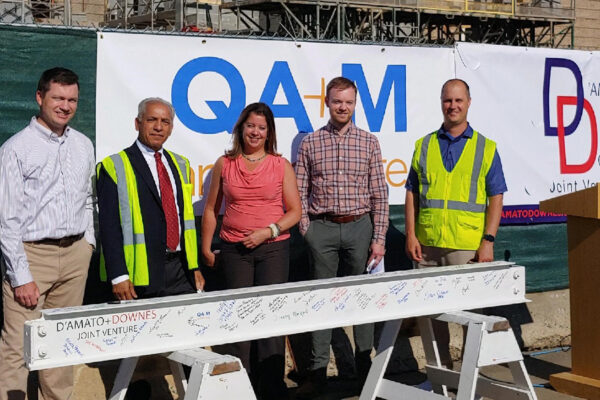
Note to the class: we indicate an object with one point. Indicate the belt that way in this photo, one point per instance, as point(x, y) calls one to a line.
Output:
point(62, 242)
point(172, 255)
point(338, 219)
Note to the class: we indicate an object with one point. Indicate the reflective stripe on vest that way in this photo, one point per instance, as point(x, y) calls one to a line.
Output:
point(189, 220)
point(129, 237)
point(119, 168)
point(452, 206)
point(472, 204)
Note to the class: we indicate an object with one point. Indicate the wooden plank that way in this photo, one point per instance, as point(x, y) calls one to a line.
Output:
point(576, 385)
point(584, 282)
point(225, 368)
point(583, 203)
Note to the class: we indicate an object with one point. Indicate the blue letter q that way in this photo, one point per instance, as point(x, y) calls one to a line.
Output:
point(225, 116)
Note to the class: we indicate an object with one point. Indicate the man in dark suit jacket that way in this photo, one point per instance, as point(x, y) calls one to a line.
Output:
point(149, 240)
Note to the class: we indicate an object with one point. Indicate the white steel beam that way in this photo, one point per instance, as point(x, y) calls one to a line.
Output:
point(109, 331)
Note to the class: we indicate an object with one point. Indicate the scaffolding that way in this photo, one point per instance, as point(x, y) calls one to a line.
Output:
point(35, 11)
point(536, 23)
point(170, 15)
point(547, 23)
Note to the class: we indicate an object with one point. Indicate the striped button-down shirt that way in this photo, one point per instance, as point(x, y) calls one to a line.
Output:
point(342, 174)
point(45, 192)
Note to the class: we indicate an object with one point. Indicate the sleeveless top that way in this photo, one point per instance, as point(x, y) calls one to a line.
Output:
point(253, 199)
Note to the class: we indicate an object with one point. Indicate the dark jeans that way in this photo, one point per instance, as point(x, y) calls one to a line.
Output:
point(242, 267)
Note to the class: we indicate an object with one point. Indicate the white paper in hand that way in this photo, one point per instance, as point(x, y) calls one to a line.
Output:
point(375, 269)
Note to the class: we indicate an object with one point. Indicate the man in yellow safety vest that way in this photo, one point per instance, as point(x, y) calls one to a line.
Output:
point(147, 226)
point(453, 194)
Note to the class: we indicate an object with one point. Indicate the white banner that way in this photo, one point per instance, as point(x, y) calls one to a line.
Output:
point(543, 155)
point(210, 80)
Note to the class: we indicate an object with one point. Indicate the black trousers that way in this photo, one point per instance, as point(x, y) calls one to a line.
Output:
point(175, 279)
point(264, 359)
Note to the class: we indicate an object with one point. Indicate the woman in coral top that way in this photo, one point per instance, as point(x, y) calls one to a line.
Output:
point(261, 205)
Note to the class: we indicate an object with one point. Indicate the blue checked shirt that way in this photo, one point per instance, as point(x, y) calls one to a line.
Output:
point(45, 192)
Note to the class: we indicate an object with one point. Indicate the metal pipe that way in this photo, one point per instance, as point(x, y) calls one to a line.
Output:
point(339, 32)
point(318, 12)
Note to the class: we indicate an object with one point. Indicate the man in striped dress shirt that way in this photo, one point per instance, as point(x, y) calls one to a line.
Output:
point(344, 214)
point(46, 227)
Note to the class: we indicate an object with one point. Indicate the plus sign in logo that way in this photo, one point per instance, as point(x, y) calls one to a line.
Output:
point(562, 131)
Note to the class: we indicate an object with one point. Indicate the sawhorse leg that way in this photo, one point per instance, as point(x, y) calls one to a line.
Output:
point(213, 376)
point(520, 375)
point(490, 341)
point(181, 383)
point(432, 352)
point(381, 360)
point(124, 374)
point(376, 386)
point(469, 371)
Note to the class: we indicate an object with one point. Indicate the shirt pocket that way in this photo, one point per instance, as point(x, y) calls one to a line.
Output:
point(425, 218)
point(357, 175)
point(356, 167)
point(469, 222)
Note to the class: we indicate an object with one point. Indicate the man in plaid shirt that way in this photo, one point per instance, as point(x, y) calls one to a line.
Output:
point(344, 214)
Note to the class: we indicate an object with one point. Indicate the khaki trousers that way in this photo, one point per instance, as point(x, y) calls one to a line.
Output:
point(60, 274)
point(441, 257)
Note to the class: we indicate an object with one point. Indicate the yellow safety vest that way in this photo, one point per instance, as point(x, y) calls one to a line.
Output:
point(452, 204)
point(119, 168)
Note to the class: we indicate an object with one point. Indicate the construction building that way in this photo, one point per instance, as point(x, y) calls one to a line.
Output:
point(537, 23)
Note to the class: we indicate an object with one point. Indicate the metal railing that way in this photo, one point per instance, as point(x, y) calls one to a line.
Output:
point(526, 8)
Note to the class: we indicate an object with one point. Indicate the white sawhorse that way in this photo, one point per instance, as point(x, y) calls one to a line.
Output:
point(490, 341)
point(213, 376)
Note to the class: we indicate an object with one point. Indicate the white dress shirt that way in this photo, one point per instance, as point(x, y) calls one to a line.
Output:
point(45, 192)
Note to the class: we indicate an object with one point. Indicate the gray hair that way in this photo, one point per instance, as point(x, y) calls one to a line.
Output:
point(144, 103)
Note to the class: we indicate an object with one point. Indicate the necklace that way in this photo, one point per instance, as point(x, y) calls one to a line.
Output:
point(254, 159)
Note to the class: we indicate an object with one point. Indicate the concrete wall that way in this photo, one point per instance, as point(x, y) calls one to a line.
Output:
point(87, 12)
point(587, 26)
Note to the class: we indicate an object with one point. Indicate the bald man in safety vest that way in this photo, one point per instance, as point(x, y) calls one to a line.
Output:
point(454, 194)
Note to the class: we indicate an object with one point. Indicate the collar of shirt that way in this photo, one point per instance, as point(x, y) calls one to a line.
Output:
point(349, 129)
point(148, 154)
point(46, 133)
point(147, 151)
point(444, 134)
